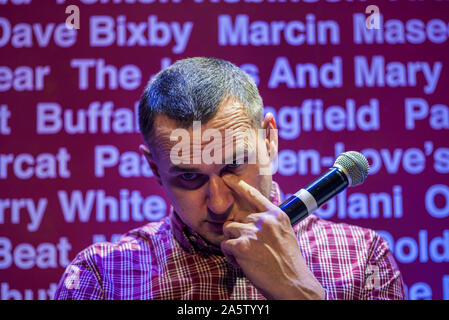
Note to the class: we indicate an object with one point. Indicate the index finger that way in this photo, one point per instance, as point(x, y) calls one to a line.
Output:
point(249, 193)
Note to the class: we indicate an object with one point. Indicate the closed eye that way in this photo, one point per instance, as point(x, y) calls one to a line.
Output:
point(236, 167)
point(237, 163)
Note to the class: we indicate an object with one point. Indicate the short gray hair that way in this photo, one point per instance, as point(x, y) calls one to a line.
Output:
point(192, 90)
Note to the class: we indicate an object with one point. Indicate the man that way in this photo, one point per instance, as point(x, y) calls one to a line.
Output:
point(210, 147)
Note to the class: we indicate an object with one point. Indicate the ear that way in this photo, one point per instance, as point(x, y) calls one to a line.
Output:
point(153, 166)
point(271, 140)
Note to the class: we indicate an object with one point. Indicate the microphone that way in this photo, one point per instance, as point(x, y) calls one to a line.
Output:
point(350, 169)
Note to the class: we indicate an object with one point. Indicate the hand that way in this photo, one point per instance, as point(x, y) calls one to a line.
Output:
point(265, 247)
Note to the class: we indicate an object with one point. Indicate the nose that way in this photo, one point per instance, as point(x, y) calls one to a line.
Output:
point(220, 199)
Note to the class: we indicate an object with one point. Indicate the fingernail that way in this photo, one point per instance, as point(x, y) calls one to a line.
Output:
point(144, 148)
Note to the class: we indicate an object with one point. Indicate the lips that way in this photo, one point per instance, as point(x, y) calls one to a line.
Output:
point(216, 222)
point(215, 226)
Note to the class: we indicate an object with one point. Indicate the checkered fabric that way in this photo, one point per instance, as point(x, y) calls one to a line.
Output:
point(167, 260)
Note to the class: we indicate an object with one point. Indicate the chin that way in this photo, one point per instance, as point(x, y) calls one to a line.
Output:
point(214, 238)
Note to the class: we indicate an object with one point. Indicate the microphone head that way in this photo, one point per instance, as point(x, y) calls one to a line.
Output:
point(354, 165)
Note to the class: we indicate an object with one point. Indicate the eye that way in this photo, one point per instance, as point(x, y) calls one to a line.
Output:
point(233, 165)
point(189, 176)
point(237, 165)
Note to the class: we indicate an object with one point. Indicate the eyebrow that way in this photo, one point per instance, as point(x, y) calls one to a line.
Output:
point(182, 169)
point(175, 168)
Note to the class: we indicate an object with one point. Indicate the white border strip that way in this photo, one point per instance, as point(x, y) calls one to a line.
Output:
point(308, 200)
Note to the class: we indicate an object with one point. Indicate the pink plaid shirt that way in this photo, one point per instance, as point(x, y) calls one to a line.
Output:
point(167, 260)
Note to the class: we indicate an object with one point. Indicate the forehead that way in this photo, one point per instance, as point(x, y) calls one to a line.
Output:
point(231, 117)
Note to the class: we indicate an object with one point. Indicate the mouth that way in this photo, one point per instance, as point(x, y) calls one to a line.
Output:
point(215, 226)
point(217, 223)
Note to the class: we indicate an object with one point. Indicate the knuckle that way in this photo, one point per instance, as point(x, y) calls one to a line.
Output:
point(240, 247)
point(282, 217)
point(252, 218)
point(266, 222)
point(272, 220)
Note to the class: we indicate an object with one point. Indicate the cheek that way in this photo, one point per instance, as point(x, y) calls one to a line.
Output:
point(188, 204)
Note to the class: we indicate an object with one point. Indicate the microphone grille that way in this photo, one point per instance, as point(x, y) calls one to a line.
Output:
point(355, 165)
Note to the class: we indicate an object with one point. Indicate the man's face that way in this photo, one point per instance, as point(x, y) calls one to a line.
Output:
point(195, 186)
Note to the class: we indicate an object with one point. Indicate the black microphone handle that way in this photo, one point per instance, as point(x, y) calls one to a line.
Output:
point(306, 200)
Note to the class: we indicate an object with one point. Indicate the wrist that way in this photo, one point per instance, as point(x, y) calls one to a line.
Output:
point(304, 290)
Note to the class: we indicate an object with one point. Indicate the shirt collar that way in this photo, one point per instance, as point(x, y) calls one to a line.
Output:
point(192, 242)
